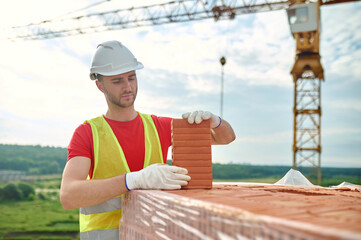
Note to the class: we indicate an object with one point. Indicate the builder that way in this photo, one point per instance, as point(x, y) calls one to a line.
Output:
point(122, 149)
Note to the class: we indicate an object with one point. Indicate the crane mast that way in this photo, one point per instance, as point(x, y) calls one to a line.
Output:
point(307, 71)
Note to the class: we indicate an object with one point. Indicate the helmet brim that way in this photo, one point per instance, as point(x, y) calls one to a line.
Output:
point(118, 71)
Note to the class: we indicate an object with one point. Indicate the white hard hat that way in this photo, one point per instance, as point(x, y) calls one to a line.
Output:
point(112, 58)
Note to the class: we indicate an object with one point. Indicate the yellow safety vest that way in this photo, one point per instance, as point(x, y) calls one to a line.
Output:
point(101, 221)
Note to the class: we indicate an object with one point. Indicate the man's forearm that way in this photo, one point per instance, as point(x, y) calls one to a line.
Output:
point(223, 134)
point(84, 193)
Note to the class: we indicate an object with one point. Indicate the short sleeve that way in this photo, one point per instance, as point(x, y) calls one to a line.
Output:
point(81, 143)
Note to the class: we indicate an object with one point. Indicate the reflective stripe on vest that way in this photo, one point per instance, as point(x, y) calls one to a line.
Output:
point(109, 161)
point(100, 234)
point(107, 206)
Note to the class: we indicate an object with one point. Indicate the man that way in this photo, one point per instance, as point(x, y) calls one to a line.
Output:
point(123, 149)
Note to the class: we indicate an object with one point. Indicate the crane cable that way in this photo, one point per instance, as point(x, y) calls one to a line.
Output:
point(81, 9)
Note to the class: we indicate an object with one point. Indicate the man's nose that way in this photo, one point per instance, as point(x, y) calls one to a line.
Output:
point(128, 85)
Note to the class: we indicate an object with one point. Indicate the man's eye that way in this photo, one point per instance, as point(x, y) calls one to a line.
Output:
point(117, 82)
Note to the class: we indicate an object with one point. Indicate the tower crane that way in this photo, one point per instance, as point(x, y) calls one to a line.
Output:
point(304, 20)
point(307, 73)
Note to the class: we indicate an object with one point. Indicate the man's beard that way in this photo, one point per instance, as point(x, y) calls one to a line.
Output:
point(118, 100)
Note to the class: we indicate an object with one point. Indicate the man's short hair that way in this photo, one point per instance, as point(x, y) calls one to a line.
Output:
point(99, 77)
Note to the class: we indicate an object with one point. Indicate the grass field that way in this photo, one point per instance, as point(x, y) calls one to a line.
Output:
point(38, 219)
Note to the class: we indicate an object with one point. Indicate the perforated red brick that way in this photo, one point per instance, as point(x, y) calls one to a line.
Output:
point(192, 150)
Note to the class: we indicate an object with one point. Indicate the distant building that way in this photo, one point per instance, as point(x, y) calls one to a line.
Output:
point(11, 175)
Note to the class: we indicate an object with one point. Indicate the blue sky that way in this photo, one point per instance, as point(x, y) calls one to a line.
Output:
point(45, 92)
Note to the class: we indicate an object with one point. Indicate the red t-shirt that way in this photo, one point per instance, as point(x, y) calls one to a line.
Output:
point(130, 136)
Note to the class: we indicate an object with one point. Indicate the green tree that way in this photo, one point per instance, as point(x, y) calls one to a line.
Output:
point(26, 189)
point(11, 192)
point(32, 159)
point(1, 194)
point(42, 196)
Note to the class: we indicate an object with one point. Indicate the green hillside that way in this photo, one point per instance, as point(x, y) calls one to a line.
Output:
point(34, 160)
point(40, 160)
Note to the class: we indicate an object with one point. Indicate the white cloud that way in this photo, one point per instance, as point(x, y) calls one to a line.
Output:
point(154, 104)
point(41, 84)
point(202, 84)
point(20, 12)
point(344, 104)
point(340, 131)
point(341, 35)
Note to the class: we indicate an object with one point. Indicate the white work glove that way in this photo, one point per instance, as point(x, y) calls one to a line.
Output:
point(157, 176)
point(199, 116)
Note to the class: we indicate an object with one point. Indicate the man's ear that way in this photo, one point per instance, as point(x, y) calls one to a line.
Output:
point(99, 85)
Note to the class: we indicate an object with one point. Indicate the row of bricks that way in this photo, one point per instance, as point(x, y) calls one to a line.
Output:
point(190, 137)
point(193, 150)
point(191, 130)
point(193, 163)
point(183, 123)
point(191, 156)
point(199, 183)
point(197, 170)
point(191, 143)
